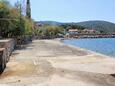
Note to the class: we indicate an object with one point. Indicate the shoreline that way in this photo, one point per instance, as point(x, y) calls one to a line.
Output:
point(90, 54)
point(90, 51)
point(87, 50)
point(81, 38)
point(62, 40)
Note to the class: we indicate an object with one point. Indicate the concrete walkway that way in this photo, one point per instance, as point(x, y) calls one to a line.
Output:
point(51, 63)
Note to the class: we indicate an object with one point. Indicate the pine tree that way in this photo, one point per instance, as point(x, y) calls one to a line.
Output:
point(28, 9)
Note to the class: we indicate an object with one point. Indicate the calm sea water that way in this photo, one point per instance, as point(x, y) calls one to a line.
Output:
point(102, 45)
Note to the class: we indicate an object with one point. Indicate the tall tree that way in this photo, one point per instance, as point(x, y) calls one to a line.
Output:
point(28, 9)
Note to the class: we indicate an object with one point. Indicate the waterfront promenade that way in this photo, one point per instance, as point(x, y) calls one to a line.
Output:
point(52, 63)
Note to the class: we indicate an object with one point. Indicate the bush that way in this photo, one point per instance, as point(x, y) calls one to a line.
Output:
point(49, 31)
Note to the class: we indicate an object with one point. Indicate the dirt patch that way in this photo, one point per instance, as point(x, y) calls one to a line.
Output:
point(27, 68)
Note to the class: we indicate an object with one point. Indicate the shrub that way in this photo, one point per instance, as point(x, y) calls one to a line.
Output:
point(49, 31)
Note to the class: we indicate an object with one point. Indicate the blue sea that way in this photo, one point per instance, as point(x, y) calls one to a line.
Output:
point(101, 45)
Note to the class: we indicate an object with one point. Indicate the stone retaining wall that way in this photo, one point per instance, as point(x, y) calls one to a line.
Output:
point(9, 45)
point(6, 48)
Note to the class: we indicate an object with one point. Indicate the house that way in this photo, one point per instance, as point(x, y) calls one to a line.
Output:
point(91, 31)
point(73, 31)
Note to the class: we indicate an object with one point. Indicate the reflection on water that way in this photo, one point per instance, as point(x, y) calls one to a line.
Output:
point(102, 45)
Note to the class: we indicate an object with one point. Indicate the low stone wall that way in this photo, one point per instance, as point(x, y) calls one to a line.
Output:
point(9, 45)
point(6, 48)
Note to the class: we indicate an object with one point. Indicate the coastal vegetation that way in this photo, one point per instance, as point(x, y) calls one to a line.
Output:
point(13, 22)
point(49, 32)
point(72, 26)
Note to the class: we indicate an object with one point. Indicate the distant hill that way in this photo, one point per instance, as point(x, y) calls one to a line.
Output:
point(103, 26)
point(50, 23)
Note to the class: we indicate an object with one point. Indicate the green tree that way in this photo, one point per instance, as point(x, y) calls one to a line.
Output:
point(12, 22)
point(4, 18)
point(28, 9)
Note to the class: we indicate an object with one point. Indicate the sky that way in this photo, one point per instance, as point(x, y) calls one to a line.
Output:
point(72, 10)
